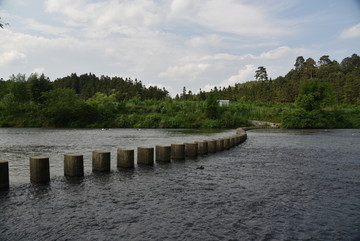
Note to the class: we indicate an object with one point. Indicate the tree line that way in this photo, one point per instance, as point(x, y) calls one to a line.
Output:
point(69, 101)
point(325, 94)
point(23, 89)
point(343, 77)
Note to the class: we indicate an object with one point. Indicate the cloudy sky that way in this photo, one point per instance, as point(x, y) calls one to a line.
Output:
point(174, 43)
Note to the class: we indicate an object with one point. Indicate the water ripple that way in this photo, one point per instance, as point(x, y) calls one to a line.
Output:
point(278, 185)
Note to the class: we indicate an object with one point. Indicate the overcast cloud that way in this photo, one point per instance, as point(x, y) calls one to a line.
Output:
point(192, 43)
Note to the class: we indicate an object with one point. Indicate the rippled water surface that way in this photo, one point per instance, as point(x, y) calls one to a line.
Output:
point(278, 185)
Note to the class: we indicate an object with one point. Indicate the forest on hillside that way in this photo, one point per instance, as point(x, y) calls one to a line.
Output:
point(343, 77)
point(323, 94)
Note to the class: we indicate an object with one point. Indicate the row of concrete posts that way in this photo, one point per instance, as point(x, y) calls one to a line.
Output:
point(74, 163)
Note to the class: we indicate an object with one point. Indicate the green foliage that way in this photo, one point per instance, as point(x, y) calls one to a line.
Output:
point(299, 63)
point(314, 95)
point(38, 86)
point(87, 85)
point(213, 110)
point(310, 110)
point(330, 100)
point(19, 88)
point(261, 74)
point(349, 116)
point(106, 107)
point(301, 119)
point(63, 108)
point(351, 64)
point(344, 78)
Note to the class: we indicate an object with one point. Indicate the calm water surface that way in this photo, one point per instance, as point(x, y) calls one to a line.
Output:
point(278, 185)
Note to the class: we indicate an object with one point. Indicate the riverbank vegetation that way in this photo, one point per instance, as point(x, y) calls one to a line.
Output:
point(325, 94)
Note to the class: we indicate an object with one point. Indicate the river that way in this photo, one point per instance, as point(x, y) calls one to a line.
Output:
point(278, 185)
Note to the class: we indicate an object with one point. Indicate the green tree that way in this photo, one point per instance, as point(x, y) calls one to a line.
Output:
point(350, 63)
point(314, 95)
point(64, 108)
point(183, 95)
point(324, 60)
point(213, 110)
point(38, 86)
point(19, 88)
point(107, 108)
point(310, 68)
point(299, 63)
point(326, 69)
point(261, 74)
point(351, 87)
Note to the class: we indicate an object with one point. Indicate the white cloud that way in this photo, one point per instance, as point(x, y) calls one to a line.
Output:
point(101, 19)
point(45, 28)
point(205, 41)
point(39, 70)
point(208, 87)
point(353, 32)
point(160, 86)
point(228, 16)
point(277, 61)
point(239, 17)
point(186, 72)
point(273, 54)
point(277, 53)
point(218, 57)
point(11, 58)
point(76, 11)
point(244, 75)
point(176, 43)
point(20, 42)
point(282, 52)
point(180, 7)
point(169, 88)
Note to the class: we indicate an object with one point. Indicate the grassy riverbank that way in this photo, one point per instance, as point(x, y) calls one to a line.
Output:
point(106, 111)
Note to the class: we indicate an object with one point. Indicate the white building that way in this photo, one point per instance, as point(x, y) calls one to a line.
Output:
point(223, 102)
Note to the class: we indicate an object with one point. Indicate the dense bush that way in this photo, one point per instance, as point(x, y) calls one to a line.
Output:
point(313, 108)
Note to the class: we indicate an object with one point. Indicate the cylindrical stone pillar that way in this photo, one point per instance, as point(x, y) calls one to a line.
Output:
point(226, 143)
point(125, 158)
point(4, 174)
point(232, 141)
point(74, 165)
point(145, 156)
point(202, 147)
point(101, 161)
point(178, 151)
point(241, 131)
point(39, 169)
point(243, 138)
point(163, 153)
point(219, 144)
point(238, 140)
point(191, 149)
point(212, 146)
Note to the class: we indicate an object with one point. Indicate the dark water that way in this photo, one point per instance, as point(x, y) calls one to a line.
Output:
point(17, 145)
point(278, 185)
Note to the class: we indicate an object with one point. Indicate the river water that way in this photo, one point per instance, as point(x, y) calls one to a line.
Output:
point(278, 185)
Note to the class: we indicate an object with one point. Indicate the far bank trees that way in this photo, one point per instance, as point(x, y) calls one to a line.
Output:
point(310, 112)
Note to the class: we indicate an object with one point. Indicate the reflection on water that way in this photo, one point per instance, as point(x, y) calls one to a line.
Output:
point(278, 185)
